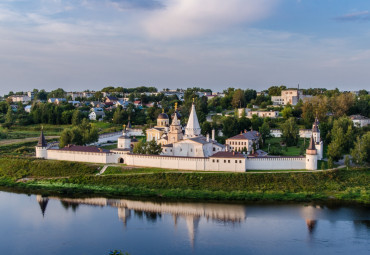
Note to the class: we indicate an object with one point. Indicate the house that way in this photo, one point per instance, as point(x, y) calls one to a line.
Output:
point(111, 99)
point(289, 96)
point(360, 121)
point(96, 114)
point(75, 103)
point(57, 100)
point(97, 104)
point(20, 98)
point(244, 141)
point(28, 108)
point(122, 103)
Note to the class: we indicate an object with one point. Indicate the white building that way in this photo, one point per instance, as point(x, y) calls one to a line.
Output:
point(290, 96)
point(20, 98)
point(96, 114)
point(360, 121)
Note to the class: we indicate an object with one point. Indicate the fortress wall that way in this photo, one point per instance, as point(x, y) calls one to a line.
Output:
point(81, 156)
point(278, 163)
point(187, 163)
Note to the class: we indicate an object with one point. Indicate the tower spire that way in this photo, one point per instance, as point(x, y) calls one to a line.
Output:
point(42, 141)
point(192, 127)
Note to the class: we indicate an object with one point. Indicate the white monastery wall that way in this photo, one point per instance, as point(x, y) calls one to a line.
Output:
point(82, 156)
point(278, 163)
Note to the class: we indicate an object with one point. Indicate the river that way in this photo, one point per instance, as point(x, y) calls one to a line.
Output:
point(32, 224)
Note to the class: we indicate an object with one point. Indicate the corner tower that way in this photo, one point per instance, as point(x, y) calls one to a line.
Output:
point(41, 147)
point(311, 156)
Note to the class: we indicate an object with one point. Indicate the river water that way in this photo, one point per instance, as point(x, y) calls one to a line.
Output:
point(31, 224)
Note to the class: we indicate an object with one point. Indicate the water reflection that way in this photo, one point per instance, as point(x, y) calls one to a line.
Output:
point(95, 225)
point(192, 213)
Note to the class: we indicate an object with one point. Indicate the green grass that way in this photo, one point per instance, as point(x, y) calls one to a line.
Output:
point(117, 170)
point(110, 146)
point(16, 168)
point(70, 178)
point(286, 151)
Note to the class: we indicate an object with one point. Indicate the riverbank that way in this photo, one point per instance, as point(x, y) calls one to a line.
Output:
point(59, 177)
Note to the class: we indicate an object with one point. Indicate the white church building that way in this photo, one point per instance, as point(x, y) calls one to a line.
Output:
point(189, 151)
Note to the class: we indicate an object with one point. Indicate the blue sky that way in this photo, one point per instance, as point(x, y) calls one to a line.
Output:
point(89, 44)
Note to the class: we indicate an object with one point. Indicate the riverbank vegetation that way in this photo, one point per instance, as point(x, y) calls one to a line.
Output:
point(77, 178)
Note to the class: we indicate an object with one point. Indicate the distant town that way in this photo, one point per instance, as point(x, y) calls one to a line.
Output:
point(232, 130)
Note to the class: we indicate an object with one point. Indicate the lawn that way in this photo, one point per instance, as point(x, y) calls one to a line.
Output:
point(286, 151)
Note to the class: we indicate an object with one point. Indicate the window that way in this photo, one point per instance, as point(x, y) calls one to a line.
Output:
point(225, 161)
point(213, 160)
point(214, 149)
point(217, 160)
point(228, 161)
point(240, 161)
point(236, 161)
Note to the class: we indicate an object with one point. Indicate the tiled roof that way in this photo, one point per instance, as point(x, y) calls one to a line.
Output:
point(251, 135)
point(227, 154)
point(79, 148)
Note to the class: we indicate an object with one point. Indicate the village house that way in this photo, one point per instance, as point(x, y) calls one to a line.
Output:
point(96, 114)
point(244, 141)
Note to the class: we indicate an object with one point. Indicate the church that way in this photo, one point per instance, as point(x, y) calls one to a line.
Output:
point(175, 143)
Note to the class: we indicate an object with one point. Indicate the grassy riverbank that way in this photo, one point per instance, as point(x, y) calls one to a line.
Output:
point(69, 178)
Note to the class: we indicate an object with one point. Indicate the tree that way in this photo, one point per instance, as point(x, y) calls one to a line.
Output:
point(290, 132)
point(79, 135)
point(238, 100)
point(265, 131)
point(361, 151)
point(58, 93)
point(76, 117)
point(347, 161)
point(249, 94)
point(9, 118)
point(341, 104)
point(152, 148)
point(287, 112)
point(335, 148)
point(330, 163)
point(206, 128)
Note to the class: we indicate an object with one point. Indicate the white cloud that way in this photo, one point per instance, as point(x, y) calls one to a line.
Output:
point(188, 18)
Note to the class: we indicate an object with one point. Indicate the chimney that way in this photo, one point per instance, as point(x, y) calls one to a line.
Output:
point(213, 135)
point(207, 137)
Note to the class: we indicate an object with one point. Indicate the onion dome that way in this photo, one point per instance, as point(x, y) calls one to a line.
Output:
point(178, 115)
point(162, 116)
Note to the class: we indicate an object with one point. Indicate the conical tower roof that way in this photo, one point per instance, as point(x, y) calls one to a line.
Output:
point(42, 141)
point(311, 150)
point(192, 128)
point(315, 126)
point(175, 120)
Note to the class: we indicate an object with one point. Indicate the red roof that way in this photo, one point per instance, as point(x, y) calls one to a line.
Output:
point(227, 154)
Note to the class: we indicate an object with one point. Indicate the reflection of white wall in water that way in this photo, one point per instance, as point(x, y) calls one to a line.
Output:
point(212, 211)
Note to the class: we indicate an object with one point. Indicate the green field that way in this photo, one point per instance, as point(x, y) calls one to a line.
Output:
point(77, 178)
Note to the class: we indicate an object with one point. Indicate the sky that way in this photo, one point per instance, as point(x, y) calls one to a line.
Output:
point(90, 44)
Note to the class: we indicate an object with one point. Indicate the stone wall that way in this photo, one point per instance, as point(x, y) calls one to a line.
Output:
point(275, 163)
point(82, 156)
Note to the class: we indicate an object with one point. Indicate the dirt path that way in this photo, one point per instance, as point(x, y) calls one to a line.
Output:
point(23, 140)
